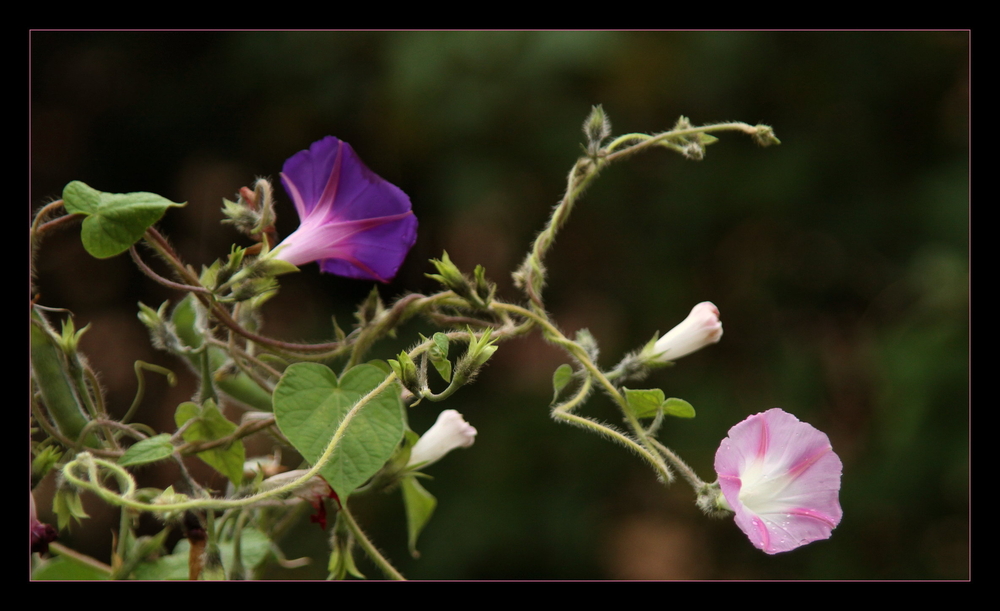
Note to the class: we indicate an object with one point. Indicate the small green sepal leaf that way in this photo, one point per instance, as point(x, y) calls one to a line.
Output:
point(438, 354)
point(562, 376)
point(115, 221)
point(68, 507)
point(678, 408)
point(147, 451)
point(420, 506)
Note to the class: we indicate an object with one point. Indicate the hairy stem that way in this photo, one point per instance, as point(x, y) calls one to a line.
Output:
point(370, 549)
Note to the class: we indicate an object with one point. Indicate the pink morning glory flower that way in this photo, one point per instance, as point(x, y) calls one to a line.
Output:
point(353, 223)
point(782, 478)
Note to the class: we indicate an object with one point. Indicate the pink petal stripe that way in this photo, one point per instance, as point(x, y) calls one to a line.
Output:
point(782, 479)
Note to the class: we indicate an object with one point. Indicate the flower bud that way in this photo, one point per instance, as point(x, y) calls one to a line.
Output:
point(450, 277)
point(240, 214)
point(484, 288)
point(406, 370)
point(265, 203)
point(764, 135)
point(597, 127)
point(480, 350)
point(70, 338)
point(701, 328)
point(449, 432)
point(41, 534)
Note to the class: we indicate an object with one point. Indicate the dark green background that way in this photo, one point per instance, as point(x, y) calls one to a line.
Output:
point(839, 261)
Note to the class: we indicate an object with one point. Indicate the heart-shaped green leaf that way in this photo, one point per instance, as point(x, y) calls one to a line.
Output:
point(309, 405)
point(114, 221)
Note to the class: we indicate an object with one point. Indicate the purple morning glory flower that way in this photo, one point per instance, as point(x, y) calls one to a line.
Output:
point(782, 478)
point(353, 223)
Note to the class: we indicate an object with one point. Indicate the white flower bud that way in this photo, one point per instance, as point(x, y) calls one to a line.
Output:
point(449, 432)
point(701, 328)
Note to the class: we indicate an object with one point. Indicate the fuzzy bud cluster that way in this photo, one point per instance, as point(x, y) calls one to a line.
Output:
point(253, 211)
point(597, 127)
point(478, 293)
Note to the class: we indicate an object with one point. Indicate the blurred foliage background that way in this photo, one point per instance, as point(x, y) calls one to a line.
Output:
point(839, 261)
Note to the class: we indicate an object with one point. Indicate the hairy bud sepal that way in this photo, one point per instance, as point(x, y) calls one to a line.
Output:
point(596, 128)
point(478, 294)
point(406, 370)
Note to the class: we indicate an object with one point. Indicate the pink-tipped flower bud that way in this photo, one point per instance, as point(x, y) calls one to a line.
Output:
point(449, 432)
point(701, 328)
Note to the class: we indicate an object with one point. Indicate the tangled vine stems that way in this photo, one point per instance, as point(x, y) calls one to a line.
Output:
point(125, 498)
point(90, 463)
point(531, 275)
point(642, 444)
point(494, 318)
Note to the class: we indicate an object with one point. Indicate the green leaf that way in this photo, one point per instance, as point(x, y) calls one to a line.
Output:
point(438, 354)
point(114, 221)
point(309, 405)
point(443, 367)
point(381, 365)
point(147, 451)
point(561, 377)
point(420, 506)
point(644, 403)
point(441, 342)
point(254, 546)
point(212, 425)
point(678, 408)
point(68, 569)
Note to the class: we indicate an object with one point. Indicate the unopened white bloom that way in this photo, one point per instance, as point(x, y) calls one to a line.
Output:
point(449, 432)
point(701, 328)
